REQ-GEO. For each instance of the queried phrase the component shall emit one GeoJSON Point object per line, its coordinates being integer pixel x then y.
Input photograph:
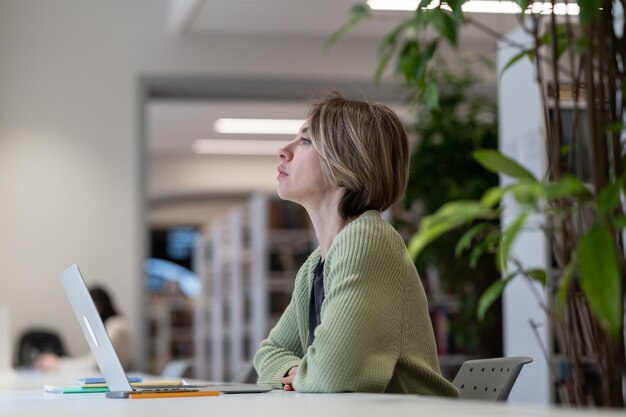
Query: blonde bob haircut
{"type": "Point", "coordinates": [364, 149]}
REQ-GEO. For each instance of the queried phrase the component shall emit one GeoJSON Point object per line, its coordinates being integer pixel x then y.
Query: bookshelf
{"type": "Point", "coordinates": [170, 300]}
{"type": "Point", "coordinates": [247, 262]}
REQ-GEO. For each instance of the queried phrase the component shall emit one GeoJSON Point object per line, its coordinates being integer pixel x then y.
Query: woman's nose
{"type": "Point", "coordinates": [284, 153]}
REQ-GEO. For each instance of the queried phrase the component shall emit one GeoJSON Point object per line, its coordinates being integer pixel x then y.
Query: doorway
{"type": "Point", "coordinates": [201, 207]}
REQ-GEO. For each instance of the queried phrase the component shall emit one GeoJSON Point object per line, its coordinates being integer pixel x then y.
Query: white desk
{"type": "Point", "coordinates": [21, 401]}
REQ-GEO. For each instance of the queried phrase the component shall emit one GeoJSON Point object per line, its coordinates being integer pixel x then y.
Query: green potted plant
{"type": "Point", "coordinates": [582, 217]}
{"type": "Point", "coordinates": [441, 170]}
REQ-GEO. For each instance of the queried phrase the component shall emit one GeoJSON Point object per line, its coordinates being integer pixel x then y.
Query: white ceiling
{"type": "Point", "coordinates": [174, 125]}
{"type": "Point", "coordinates": [301, 18]}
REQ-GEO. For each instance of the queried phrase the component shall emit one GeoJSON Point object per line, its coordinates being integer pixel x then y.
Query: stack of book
{"type": "Point", "coordinates": [98, 384]}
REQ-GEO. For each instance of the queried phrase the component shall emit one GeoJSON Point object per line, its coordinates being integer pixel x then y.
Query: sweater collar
{"type": "Point", "coordinates": [317, 254]}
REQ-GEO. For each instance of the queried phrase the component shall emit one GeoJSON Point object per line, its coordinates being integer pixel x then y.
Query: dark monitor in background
{"type": "Point", "coordinates": [171, 259]}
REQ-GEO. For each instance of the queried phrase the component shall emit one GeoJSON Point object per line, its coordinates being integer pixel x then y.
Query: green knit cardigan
{"type": "Point", "coordinates": [375, 333]}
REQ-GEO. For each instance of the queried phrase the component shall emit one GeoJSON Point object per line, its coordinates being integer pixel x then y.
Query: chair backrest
{"type": "Point", "coordinates": [489, 379]}
{"type": "Point", "coordinates": [246, 374]}
{"type": "Point", "coordinates": [34, 342]}
{"type": "Point", "coordinates": [176, 368]}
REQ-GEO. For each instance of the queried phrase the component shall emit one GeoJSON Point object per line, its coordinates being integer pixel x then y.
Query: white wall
{"type": "Point", "coordinates": [172, 175]}
{"type": "Point", "coordinates": [69, 162]}
{"type": "Point", "coordinates": [68, 148]}
{"type": "Point", "coordinates": [195, 212]}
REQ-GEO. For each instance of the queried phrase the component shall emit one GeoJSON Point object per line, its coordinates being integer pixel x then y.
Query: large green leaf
{"type": "Point", "coordinates": [492, 196]}
{"type": "Point", "coordinates": [391, 39]}
{"type": "Point", "coordinates": [527, 192]}
{"type": "Point", "coordinates": [457, 9]}
{"type": "Point", "coordinates": [488, 244]}
{"type": "Point", "coordinates": [423, 4]}
{"type": "Point", "coordinates": [359, 12]}
{"type": "Point", "coordinates": [562, 38]}
{"type": "Point", "coordinates": [565, 283]}
{"type": "Point", "coordinates": [449, 216]}
{"type": "Point", "coordinates": [514, 59]}
{"type": "Point", "coordinates": [619, 222]}
{"type": "Point", "coordinates": [465, 240]}
{"type": "Point", "coordinates": [508, 238]}
{"type": "Point", "coordinates": [430, 50]}
{"type": "Point", "coordinates": [600, 278]}
{"type": "Point", "coordinates": [566, 186]}
{"type": "Point", "coordinates": [615, 127]}
{"type": "Point", "coordinates": [491, 294]}
{"type": "Point", "coordinates": [427, 234]}
{"type": "Point", "coordinates": [523, 4]}
{"type": "Point", "coordinates": [538, 275]}
{"type": "Point", "coordinates": [383, 61]}
{"type": "Point", "coordinates": [608, 199]}
{"type": "Point", "coordinates": [496, 162]}
{"type": "Point", "coordinates": [479, 250]}
{"type": "Point", "coordinates": [412, 63]}
{"type": "Point", "coordinates": [589, 10]}
{"type": "Point", "coordinates": [431, 95]}
{"type": "Point", "coordinates": [387, 48]}
{"type": "Point", "coordinates": [464, 209]}
{"type": "Point", "coordinates": [444, 24]}
{"type": "Point", "coordinates": [409, 60]}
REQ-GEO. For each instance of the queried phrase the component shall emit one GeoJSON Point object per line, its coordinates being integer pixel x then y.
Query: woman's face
{"type": "Point", "coordinates": [300, 176]}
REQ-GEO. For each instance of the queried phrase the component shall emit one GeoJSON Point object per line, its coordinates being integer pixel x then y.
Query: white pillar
{"type": "Point", "coordinates": [217, 306]}
{"type": "Point", "coordinates": [521, 138]}
{"type": "Point", "coordinates": [6, 367]}
{"type": "Point", "coordinates": [235, 291]}
{"type": "Point", "coordinates": [258, 272]}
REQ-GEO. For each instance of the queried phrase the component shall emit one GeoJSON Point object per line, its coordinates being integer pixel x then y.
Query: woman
{"type": "Point", "coordinates": [117, 327]}
{"type": "Point", "coordinates": [358, 318]}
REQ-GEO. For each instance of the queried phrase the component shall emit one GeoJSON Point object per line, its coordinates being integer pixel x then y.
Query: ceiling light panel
{"type": "Point", "coordinates": [258, 126]}
{"type": "Point", "coordinates": [478, 6]}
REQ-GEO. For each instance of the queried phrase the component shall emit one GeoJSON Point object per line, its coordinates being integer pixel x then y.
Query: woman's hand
{"type": "Point", "coordinates": [47, 362]}
{"type": "Point", "coordinates": [288, 380]}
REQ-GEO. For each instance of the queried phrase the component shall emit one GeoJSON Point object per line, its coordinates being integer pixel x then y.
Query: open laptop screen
{"type": "Point", "coordinates": [94, 330]}
{"type": "Point", "coordinates": [102, 348]}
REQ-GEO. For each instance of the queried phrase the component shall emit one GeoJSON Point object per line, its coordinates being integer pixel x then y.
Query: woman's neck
{"type": "Point", "coordinates": [327, 222]}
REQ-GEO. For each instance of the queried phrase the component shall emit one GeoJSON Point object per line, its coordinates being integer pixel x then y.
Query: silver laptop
{"type": "Point", "coordinates": [102, 348]}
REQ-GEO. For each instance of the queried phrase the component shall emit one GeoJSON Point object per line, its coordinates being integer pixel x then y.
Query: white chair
{"type": "Point", "coordinates": [176, 368]}
{"type": "Point", "coordinates": [246, 373]}
{"type": "Point", "coordinates": [489, 379]}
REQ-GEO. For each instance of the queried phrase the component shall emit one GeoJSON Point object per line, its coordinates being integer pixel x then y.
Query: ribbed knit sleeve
{"type": "Point", "coordinates": [284, 347]}
{"type": "Point", "coordinates": [280, 351]}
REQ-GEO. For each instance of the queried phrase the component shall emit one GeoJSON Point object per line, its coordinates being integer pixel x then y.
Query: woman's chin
{"type": "Point", "coordinates": [283, 192]}
{"type": "Point", "coordinates": [283, 195]}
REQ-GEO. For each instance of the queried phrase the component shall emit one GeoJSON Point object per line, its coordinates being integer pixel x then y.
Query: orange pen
{"type": "Point", "coordinates": [142, 395]}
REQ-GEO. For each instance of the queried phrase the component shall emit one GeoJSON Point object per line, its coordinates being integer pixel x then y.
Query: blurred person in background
{"type": "Point", "coordinates": [117, 327]}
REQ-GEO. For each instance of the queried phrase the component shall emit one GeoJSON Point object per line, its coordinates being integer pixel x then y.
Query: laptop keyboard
{"type": "Point", "coordinates": [177, 389]}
